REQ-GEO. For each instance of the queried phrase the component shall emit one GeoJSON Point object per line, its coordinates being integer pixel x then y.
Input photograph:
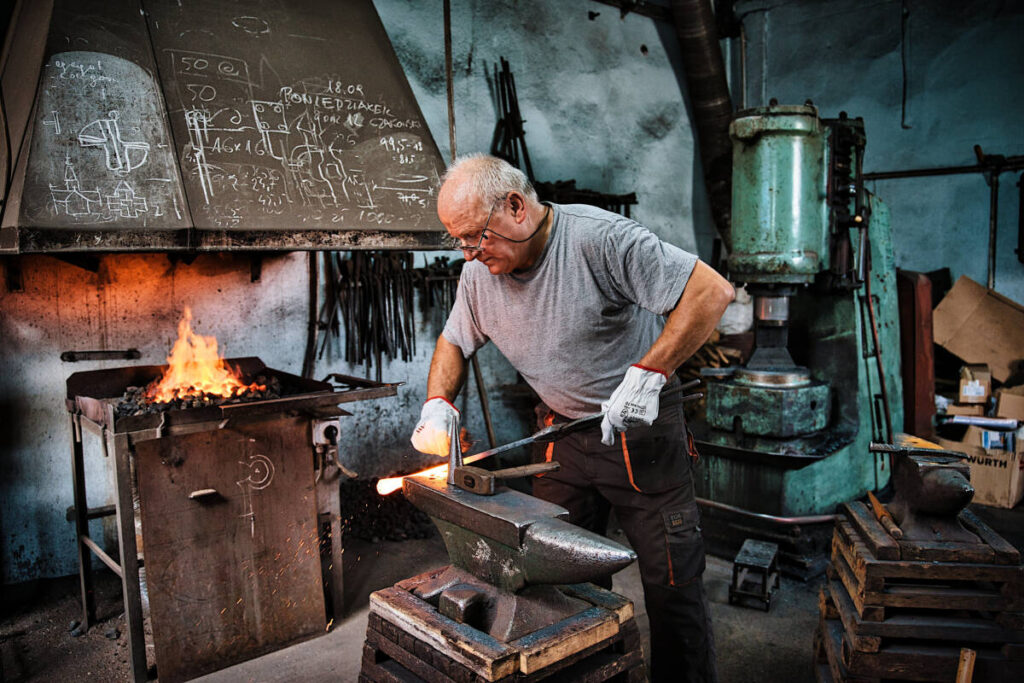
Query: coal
{"type": "Point", "coordinates": [136, 402]}
{"type": "Point", "coordinates": [367, 515]}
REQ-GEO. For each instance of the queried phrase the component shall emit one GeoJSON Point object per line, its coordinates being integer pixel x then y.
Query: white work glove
{"type": "Point", "coordinates": [431, 435]}
{"type": "Point", "coordinates": [634, 401]}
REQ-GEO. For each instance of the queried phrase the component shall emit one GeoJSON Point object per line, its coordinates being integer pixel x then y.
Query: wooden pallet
{"type": "Point", "coordinates": [407, 639]}
{"type": "Point", "coordinates": [993, 549]}
{"type": "Point", "coordinates": [879, 587]}
{"type": "Point", "coordinates": [900, 617]}
{"type": "Point", "coordinates": [906, 661]}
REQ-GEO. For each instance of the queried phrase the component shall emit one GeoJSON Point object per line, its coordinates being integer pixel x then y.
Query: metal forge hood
{"type": "Point", "coordinates": [206, 124]}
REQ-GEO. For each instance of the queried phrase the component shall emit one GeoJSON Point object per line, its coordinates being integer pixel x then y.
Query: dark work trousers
{"type": "Point", "coordinates": [646, 477]}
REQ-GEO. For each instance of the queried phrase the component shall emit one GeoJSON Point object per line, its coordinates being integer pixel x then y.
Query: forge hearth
{"type": "Point", "coordinates": [239, 506]}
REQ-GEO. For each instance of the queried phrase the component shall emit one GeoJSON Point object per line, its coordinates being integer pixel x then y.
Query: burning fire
{"type": "Point", "coordinates": [195, 368]}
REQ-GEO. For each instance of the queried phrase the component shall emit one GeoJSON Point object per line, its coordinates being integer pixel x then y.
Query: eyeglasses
{"type": "Point", "coordinates": [476, 249]}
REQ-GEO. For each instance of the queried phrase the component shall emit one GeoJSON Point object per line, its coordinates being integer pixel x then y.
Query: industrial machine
{"type": "Point", "coordinates": [787, 434]}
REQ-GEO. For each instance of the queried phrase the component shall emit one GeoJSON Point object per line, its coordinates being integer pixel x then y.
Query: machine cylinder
{"type": "Point", "coordinates": [779, 209]}
{"type": "Point", "coordinates": [772, 310]}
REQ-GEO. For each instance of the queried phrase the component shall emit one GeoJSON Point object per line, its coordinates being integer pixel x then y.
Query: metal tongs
{"type": "Point", "coordinates": [478, 480]}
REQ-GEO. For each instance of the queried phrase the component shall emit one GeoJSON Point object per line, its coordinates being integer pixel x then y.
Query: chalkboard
{"type": "Point", "coordinates": [101, 153]}
{"type": "Point", "coordinates": [293, 115]}
{"type": "Point", "coordinates": [233, 120]}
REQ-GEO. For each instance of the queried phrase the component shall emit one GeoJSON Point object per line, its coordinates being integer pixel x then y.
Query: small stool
{"type": "Point", "coordinates": [755, 572]}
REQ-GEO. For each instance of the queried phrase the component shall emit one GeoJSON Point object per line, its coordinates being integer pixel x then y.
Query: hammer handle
{"type": "Point", "coordinates": [525, 470]}
{"type": "Point", "coordinates": [884, 517]}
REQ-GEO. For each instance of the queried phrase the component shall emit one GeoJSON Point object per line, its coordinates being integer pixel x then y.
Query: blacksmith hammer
{"type": "Point", "coordinates": [484, 482]}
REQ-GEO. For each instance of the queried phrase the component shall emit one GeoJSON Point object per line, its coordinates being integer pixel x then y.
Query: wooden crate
{"type": "Point", "coordinates": [879, 587]}
{"type": "Point", "coordinates": [407, 639]}
{"type": "Point", "coordinates": [904, 661]}
{"type": "Point", "coordinates": [904, 618]}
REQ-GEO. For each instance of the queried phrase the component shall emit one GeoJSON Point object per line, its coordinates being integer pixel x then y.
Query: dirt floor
{"type": "Point", "coordinates": [39, 640]}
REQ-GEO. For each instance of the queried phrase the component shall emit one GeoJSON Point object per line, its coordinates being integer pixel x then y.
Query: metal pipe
{"type": "Point", "coordinates": [807, 519]}
{"type": "Point", "coordinates": [886, 412]}
{"type": "Point", "coordinates": [743, 65]}
{"type": "Point", "coordinates": [708, 88]}
{"type": "Point", "coordinates": [313, 276]}
{"type": "Point", "coordinates": [1015, 163]}
{"type": "Point", "coordinates": [485, 406]}
{"type": "Point", "coordinates": [993, 225]}
{"type": "Point", "coordinates": [449, 79]}
{"type": "Point", "coordinates": [481, 387]}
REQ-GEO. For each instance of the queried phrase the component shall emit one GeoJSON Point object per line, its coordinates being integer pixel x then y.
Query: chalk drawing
{"type": "Point", "coordinates": [123, 156]}
{"type": "Point", "coordinates": [124, 202]}
{"type": "Point", "coordinates": [101, 152]}
{"type": "Point", "coordinates": [258, 473]}
{"type": "Point", "coordinates": [53, 121]}
{"type": "Point", "coordinates": [71, 199]}
{"type": "Point", "coordinates": [260, 146]}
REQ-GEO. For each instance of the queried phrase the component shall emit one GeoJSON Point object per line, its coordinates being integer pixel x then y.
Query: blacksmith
{"type": "Point", "coordinates": [574, 297]}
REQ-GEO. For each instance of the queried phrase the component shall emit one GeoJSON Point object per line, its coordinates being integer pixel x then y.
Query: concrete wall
{"type": "Point", "coordinates": [603, 105]}
{"type": "Point", "coordinates": [964, 70]}
{"type": "Point", "coordinates": [598, 110]}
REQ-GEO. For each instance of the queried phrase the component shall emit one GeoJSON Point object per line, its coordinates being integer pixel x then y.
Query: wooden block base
{"type": "Point", "coordinates": [407, 640]}
{"type": "Point", "coordinates": [889, 617]}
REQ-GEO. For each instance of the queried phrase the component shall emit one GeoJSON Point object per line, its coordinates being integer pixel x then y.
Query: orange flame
{"type": "Point", "coordinates": [194, 367]}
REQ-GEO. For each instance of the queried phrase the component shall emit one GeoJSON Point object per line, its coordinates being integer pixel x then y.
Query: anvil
{"type": "Point", "coordinates": [512, 540]}
{"type": "Point", "coordinates": [508, 550]}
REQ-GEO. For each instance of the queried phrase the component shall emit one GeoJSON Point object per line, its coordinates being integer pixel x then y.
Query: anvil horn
{"type": "Point", "coordinates": [559, 552]}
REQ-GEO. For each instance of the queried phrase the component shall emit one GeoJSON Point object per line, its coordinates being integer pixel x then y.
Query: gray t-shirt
{"type": "Point", "coordinates": [590, 306]}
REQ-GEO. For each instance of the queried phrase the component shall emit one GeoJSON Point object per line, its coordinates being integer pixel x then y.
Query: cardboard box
{"type": "Point", "coordinates": [980, 326]}
{"type": "Point", "coordinates": [968, 409]}
{"type": "Point", "coordinates": [997, 475]}
{"type": "Point", "coordinates": [975, 384]}
{"type": "Point", "coordinates": [1010, 403]}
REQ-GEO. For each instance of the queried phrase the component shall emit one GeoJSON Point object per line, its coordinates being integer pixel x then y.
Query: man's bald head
{"type": "Point", "coordinates": [481, 179]}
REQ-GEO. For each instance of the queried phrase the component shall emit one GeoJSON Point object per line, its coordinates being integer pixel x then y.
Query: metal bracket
{"type": "Point", "coordinates": [120, 354]}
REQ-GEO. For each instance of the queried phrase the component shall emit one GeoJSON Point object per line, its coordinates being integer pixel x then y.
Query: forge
{"type": "Point", "coordinates": [237, 502]}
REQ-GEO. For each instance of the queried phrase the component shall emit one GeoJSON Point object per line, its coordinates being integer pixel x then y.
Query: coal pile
{"type": "Point", "coordinates": [372, 517]}
{"type": "Point", "coordinates": [136, 400]}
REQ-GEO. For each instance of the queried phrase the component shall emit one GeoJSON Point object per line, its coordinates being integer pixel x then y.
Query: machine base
{"type": "Point", "coordinates": [777, 411]}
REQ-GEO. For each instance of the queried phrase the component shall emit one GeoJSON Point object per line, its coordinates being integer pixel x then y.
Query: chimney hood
{"type": "Point", "coordinates": [199, 125]}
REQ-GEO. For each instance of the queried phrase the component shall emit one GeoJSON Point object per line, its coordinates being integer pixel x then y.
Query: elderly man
{"type": "Point", "coordinates": [574, 296]}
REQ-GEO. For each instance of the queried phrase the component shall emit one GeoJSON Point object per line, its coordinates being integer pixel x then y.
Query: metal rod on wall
{"type": "Point", "coordinates": [993, 226]}
{"type": "Point", "coordinates": [478, 374]}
